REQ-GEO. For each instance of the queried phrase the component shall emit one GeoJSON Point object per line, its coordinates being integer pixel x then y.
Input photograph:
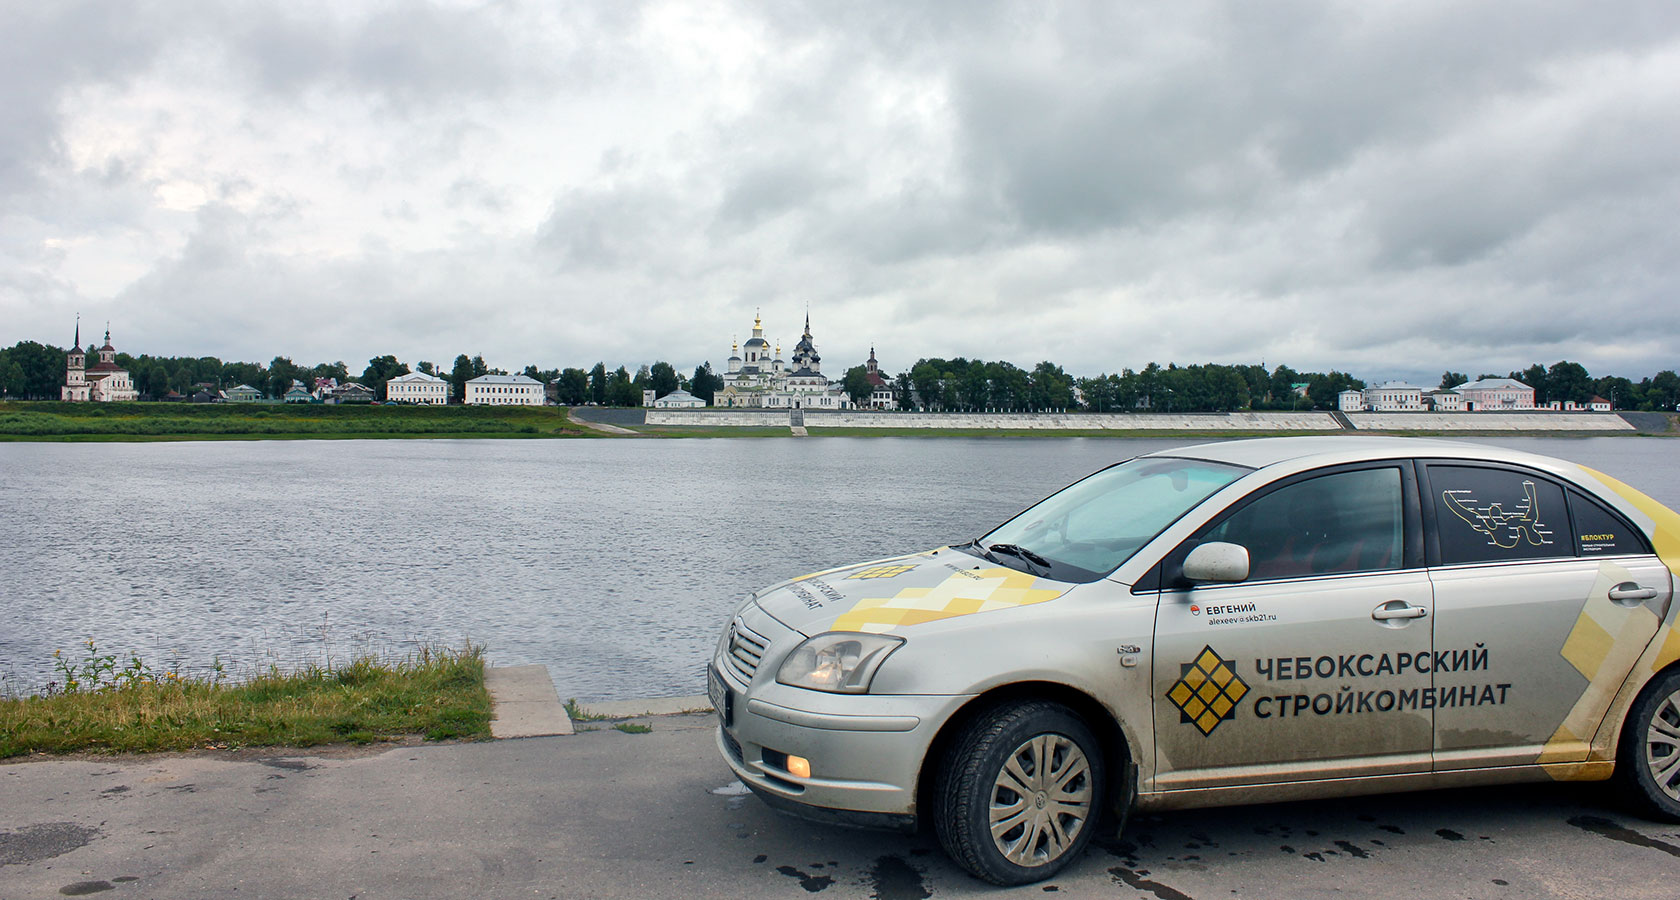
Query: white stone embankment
{"type": "Point", "coordinates": [1490, 421]}
{"type": "Point", "coordinates": [1250, 421]}
{"type": "Point", "coordinates": [1247, 422]}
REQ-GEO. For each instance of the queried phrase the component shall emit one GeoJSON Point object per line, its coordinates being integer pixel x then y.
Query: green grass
{"type": "Point", "coordinates": [54, 421]}
{"type": "Point", "coordinates": [437, 694]}
{"type": "Point", "coordinates": [576, 712]}
{"type": "Point", "coordinates": [633, 728]}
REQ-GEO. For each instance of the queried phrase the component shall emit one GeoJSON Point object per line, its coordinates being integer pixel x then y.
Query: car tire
{"type": "Point", "coordinates": [1036, 770]}
{"type": "Point", "coordinates": [1648, 761]}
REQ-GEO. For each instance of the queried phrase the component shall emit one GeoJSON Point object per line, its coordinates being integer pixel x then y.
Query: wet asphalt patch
{"type": "Point", "coordinates": [44, 841]}
{"type": "Point", "coordinates": [1613, 831]}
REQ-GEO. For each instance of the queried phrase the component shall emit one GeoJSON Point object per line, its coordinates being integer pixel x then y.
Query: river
{"type": "Point", "coordinates": [613, 562]}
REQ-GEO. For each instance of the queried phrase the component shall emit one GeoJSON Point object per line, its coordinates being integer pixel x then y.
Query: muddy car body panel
{"type": "Point", "coordinates": [1412, 614]}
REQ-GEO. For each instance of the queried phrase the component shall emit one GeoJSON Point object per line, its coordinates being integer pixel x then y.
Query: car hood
{"type": "Point", "coordinates": [892, 595]}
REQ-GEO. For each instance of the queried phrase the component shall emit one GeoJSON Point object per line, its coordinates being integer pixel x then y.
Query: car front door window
{"type": "Point", "coordinates": [1293, 674]}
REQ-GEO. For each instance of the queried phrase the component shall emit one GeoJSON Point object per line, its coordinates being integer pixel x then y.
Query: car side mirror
{"type": "Point", "coordinates": [1217, 561]}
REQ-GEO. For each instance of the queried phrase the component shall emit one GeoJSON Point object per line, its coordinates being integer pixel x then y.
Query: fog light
{"type": "Point", "coordinates": [799, 767]}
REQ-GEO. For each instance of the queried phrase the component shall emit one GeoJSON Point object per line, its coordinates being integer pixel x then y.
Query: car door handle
{"type": "Point", "coordinates": [1629, 591]}
{"type": "Point", "coordinates": [1398, 609]}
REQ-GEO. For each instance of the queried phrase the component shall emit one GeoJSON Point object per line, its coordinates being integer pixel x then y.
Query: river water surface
{"type": "Point", "coordinates": [613, 562]}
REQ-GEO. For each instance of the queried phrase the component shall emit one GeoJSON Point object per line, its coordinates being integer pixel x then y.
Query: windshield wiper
{"type": "Point", "coordinates": [1022, 552]}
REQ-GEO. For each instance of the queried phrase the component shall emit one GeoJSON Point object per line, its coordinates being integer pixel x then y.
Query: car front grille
{"type": "Point", "coordinates": [744, 651]}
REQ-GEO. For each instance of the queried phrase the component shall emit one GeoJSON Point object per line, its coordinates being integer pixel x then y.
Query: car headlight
{"type": "Point", "coordinates": [840, 662]}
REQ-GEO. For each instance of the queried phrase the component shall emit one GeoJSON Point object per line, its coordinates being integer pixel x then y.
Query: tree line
{"type": "Point", "coordinates": [30, 370]}
{"type": "Point", "coordinates": [962, 385]}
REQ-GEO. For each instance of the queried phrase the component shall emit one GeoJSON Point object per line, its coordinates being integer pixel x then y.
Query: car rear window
{"type": "Point", "coordinates": [1600, 532]}
{"type": "Point", "coordinates": [1496, 515]}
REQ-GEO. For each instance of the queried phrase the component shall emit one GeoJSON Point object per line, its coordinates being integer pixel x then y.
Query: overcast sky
{"type": "Point", "coordinates": [1391, 188]}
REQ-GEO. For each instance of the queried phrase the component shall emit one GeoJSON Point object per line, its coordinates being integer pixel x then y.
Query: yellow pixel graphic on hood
{"type": "Point", "coordinates": [961, 594]}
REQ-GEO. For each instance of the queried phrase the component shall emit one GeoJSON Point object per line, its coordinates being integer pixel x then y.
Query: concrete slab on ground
{"type": "Point", "coordinates": [524, 704]}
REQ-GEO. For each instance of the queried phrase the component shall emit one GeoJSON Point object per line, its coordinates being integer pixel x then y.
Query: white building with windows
{"type": "Point", "coordinates": [418, 387]}
{"type": "Point", "coordinates": [1496, 393]}
{"type": "Point", "coordinates": [1351, 401]}
{"type": "Point", "coordinates": [504, 390]}
{"type": "Point", "coordinates": [1394, 396]}
{"type": "Point", "coordinates": [1444, 401]}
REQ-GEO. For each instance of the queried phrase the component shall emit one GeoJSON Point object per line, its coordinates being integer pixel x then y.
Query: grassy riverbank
{"type": "Point", "coordinates": [438, 694]}
{"type": "Point", "coordinates": [50, 421]}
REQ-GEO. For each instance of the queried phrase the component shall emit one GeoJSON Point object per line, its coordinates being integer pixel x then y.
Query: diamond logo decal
{"type": "Point", "coordinates": [1207, 691]}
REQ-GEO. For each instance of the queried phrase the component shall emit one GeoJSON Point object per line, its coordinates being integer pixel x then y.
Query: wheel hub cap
{"type": "Point", "coordinates": [1662, 746]}
{"type": "Point", "coordinates": [1041, 800]}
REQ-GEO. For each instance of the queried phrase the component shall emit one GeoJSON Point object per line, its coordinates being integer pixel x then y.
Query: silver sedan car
{"type": "Point", "coordinates": [1229, 623]}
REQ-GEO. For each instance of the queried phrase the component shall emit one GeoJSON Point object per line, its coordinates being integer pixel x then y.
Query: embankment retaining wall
{"type": "Point", "coordinates": [1490, 421]}
{"type": "Point", "coordinates": [1607, 423]}
{"type": "Point", "coordinates": [1256, 421]}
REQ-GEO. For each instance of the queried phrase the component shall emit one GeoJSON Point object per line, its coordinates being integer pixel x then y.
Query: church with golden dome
{"type": "Point", "coordinates": [758, 378]}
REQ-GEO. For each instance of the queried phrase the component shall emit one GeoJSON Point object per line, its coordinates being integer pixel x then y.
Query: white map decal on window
{"type": "Point", "coordinates": [1504, 530]}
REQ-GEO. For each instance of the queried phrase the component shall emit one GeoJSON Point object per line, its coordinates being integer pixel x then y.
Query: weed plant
{"type": "Point", "coordinates": [108, 706]}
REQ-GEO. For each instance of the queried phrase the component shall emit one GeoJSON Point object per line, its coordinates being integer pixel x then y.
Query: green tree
{"type": "Point", "coordinates": [426, 368]}
{"type": "Point", "coordinates": [1621, 392]}
{"type": "Point", "coordinates": [1535, 377]}
{"type": "Point", "coordinates": [1011, 386]}
{"type": "Point", "coordinates": [238, 373]}
{"type": "Point", "coordinates": [1567, 381]}
{"type": "Point", "coordinates": [281, 373]}
{"type": "Point", "coordinates": [598, 384]}
{"type": "Point", "coordinates": [1324, 389]}
{"type": "Point", "coordinates": [622, 390]}
{"type": "Point", "coordinates": [42, 367]}
{"type": "Point", "coordinates": [974, 384]}
{"type": "Point", "coordinates": [1096, 394]}
{"type": "Point", "coordinates": [1051, 387]}
{"type": "Point", "coordinates": [662, 379]}
{"type": "Point", "coordinates": [1661, 391]}
{"type": "Point", "coordinates": [926, 376]}
{"type": "Point", "coordinates": [156, 380]}
{"type": "Point", "coordinates": [459, 375]}
{"type": "Point", "coordinates": [705, 384]}
{"type": "Point", "coordinates": [12, 382]}
{"type": "Point", "coordinates": [573, 387]}
{"type": "Point", "coordinates": [1451, 379]}
{"type": "Point", "coordinates": [379, 370]}
{"type": "Point", "coordinates": [856, 385]}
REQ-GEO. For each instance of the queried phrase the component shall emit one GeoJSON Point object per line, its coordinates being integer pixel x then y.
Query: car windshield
{"type": "Point", "coordinates": [1089, 528]}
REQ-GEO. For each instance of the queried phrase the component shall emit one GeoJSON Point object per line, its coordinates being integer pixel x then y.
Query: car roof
{"type": "Point", "coordinates": [1304, 452]}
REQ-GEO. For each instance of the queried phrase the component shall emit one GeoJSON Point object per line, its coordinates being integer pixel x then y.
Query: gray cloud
{"type": "Point", "coordinates": [1391, 188]}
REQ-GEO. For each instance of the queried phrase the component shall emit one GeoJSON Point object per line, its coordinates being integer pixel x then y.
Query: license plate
{"type": "Point", "coordinates": [719, 694]}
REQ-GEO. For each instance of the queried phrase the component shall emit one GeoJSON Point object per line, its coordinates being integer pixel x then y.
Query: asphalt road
{"type": "Point", "coordinates": [614, 815]}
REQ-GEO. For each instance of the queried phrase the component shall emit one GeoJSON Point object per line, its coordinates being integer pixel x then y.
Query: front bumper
{"type": "Point", "coordinates": [865, 750]}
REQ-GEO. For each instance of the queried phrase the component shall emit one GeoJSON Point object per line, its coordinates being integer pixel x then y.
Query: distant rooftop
{"type": "Point", "coordinates": [1493, 384]}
